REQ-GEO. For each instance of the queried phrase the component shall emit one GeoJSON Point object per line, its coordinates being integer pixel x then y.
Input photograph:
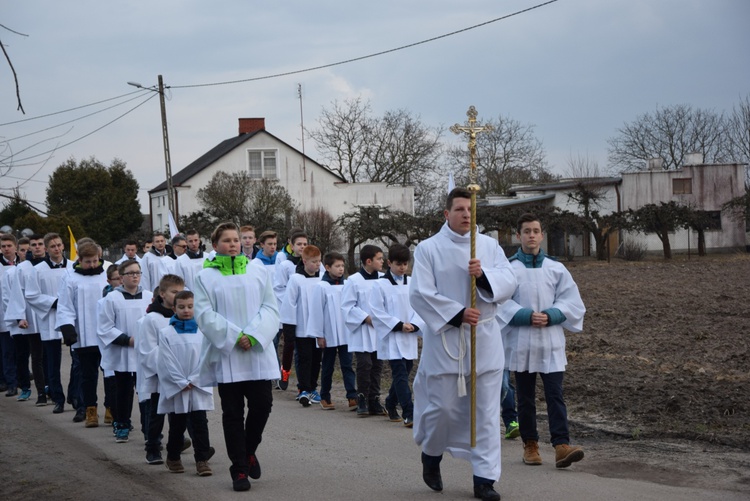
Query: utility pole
{"type": "Point", "coordinates": [167, 160]}
{"type": "Point", "coordinates": [302, 126]}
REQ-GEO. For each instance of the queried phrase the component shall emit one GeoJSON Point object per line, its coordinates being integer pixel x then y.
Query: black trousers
{"type": "Point", "coordinates": [29, 345]}
{"type": "Point", "coordinates": [90, 359]}
{"type": "Point", "coordinates": [243, 434]}
{"type": "Point", "coordinates": [369, 370]}
{"type": "Point", "coordinates": [308, 364]}
{"type": "Point", "coordinates": [178, 423]}
{"type": "Point", "coordinates": [124, 392]}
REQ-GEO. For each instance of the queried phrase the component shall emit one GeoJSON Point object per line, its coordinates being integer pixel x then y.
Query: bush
{"type": "Point", "coordinates": [630, 250]}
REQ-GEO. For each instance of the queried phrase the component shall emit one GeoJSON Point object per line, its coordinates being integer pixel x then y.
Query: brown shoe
{"type": "Point", "coordinates": [92, 418]}
{"type": "Point", "coordinates": [327, 405]}
{"type": "Point", "coordinates": [108, 415]}
{"type": "Point", "coordinates": [203, 469]}
{"type": "Point", "coordinates": [352, 404]}
{"type": "Point", "coordinates": [175, 465]}
{"type": "Point", "coordinates": [531, 453]}
{"type": "Point", "coordinates": [565, 455]}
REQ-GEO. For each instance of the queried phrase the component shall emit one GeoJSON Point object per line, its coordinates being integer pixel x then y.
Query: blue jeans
{"type": "Point", "coordinates": [9, 360]}
{"type": "Point", "coordinates": [508, 400]}
{"type": "Point", "coordinates": [53, 357]}
{"type": "Point", "coordinates": [400, 393]}
{"type": "Point", "coordinates": [556, 410]}
{"type": "Point", "coordinates": [326, 375]}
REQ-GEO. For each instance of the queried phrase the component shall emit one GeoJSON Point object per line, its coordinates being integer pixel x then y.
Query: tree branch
{"type": "Point", "coordinates": [15, 76]}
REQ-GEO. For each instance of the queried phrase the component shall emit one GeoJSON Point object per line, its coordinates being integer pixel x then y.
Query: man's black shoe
{"type": "Point", "coordinates": [431, 476]}
{"type": "Point", "coordinates": [376, 408]}
{"type": "Point", "coordinates": [254, 465]}
{"type": "Point", "coordinates": [58, 408]}
{"type": "Point", "coordinates": [485, 492]}
{"type": "Point", "coordinates": [80, 415]}
{"type": "Point", "coordinates": [362, 410]}
{"type": "Point", "coordinates": [241, 482]}
{"type": "Point", "coordinates": [12, 392]}
{"type": "Point", "coordinates": [211, 452]}
{"type": "Point", "coordinates": [3, 387]}
{"type": "Point", "coordinates": [393, 415]}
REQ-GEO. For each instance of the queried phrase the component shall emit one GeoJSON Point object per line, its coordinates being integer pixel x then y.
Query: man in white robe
{"type": "Point", "coordinates": [440, 293]}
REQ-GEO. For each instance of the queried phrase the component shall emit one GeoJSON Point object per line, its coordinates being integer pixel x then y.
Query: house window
{"type": "Point", "coordinates": [262, 164]}
{"type": "Point", "coordinates": [682, 186]}
{"type": "Point", "coordinates": [713, 220]}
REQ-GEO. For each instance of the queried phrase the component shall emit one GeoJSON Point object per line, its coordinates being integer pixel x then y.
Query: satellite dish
{"type": "Point", "coordinates": [27, 232]}
{"type": "Point", "coordinates": [6, 229]}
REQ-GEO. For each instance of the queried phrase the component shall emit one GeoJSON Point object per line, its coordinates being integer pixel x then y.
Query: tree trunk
{"type": "Point", "coordinates": [664, 237]}
{"type": "Point", "coordinates": [701, 242]}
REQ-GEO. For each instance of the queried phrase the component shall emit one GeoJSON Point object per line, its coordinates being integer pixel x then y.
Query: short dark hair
{"type": "Point", "coordinates": [216, 234]}
{"type": "Point", "coordinates": [124, 265]}
{"type": "Point", "coordinates": [399, 253]}
{"type": "Point", "coordinates": [111, 269]}
{"type": "Point", "coordinates": [332, 257]}
{"type": "Point", "coordinates": [9, 237]}
{"type": "Point", "coordinates": [368, 252]}
{"type": "Point", "coordinates": [184, 294]}
{"type": "Point", "coordinates": [177, 238]}
{"type": "Point", "coordinates": [23, 240]}
{"type": "Point", "coordinates": [50, 237]}
{"type": "Point", "coordinates": [266, 235]}
{"type": "Point", "coordinates": [192, 231]}
{"type": "Point", "coordinates": [296, 235]}
{"type": "Point", "coordinates": [130, 241]}
{"type": "Point", "coordinates": [456, 193]}
{"type": "Point", "coordinates": [527, 218]}
{"type": "Point", "coordinates": [36, 236]}
{"type": "Point", "coordinates": [170, 279]}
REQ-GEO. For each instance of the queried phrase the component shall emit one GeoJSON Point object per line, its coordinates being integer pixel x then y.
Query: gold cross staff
{"type": "Point", "coordinates": [471, 129]}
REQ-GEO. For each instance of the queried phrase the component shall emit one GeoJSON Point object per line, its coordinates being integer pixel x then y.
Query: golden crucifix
{"type": "Point", "coordinates": [471, 129]}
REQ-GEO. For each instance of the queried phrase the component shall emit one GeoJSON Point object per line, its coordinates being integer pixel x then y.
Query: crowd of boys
{"type": "Point", "coordinates": [157, 327]}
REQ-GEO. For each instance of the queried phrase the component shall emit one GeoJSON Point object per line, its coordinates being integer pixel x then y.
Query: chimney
{"type": "Point", "coordinates": [250, 125]}
{"type": "Point", "coordinates": [693, 159]}
{"type": "Point", "coordinates": [655, 164]}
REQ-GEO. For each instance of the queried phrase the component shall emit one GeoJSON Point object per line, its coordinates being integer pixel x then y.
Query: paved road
{"type": "Point", "coordinates": [307, 454]}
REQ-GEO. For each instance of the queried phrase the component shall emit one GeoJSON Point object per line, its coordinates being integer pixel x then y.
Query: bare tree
{"type": "Point", "coordinates": [321, 229]}
{"type": "Point", "coordinates": [738, 132]}
{"type": "Point", "coordinates": [582, 166]}
{"type": "Point", "coordinates": [510, 154]}
{"type": "Point", "coordinates": [669, 133]}
{"type": "Point", "coordinates": [10, 63]}
{"type": "Point", "coordinates": [343, 136]}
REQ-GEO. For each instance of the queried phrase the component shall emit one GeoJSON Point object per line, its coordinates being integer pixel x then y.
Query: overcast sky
{"type": "Point", "coordinates": [576, 69]}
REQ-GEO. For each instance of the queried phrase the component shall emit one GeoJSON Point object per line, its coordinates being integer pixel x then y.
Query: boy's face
{"type": "Point", "coordinates": [132, 276]}
{"type": "Point", "coordinates": [37, 248]}
{"type": "Point", "coordinates": [22, 250]}
{"type": "Point", "coordinates": [229, 243]}
{"type": "Point", "coordinates": [248, 239]}
{"type": "Point", "coordinates": [312, 265]}
{"type": "Point", "coordinates": [130, 251]}
{"type": "Point", "coordinates": [398, 267]}
{"type": "Point", "coordinates": [115, 280]}
{"type": "Point", "coordinates": [531, 237]}
{"type": "Point", "coordinates": [55, 249]}
{"type": "Point", "coordinates": [269, 246]}
{"type": "Point", "coordinates": [194, 243]}
{"type": "Point", "coordinates": [89, 262]}
{"type": "Point", "coordinates": [168, 295]}
{"type": "Point", "coordinates": [376, 263]}
{"type": "Point", "coordinates": [8, 249]}
{"type": "Point", "coordinates": [160, 242]}
{"type": "Point", "coordinates": [184, 309]}
{"type": "Point", "coordinates": [336, 270]}
{"type": "Point", "coordinates": [147, 246]}
{"type": "Point", "coordinates": [459, 216]}
{"type": "Point", "coordinates": [298, 245]}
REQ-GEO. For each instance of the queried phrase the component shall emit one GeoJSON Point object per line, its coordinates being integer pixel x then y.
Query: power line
{"type": "Point", "coordinates": [367, 56]}
{"type": "Point", "coordinates": [71, 109]}
{"type": "Point", "coordinates": [149, 98]}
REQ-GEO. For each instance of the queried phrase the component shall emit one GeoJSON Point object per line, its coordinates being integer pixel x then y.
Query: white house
{"type": "Point", "coordinates": [265, 156]}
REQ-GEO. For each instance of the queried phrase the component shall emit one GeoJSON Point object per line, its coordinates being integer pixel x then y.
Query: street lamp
{"type": "Point", "coordinates": [165, 137]}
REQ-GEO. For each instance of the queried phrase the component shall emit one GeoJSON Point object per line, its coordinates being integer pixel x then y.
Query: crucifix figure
{"type": "Point", "coordinates": [471, 129]}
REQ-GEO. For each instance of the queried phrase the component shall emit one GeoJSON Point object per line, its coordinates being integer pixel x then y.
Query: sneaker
{"type": "Point", "coordinates": [154, 458]}
{"type": "Point", "coordinates": [108, 418]}
{"type": "Point", "coordinates": [202, 469]}
{"type": "Point", "coordinates": [59, 408]}
{"type": "Point", "coordinates": [299, 393]}
{"type": "Point", "coordinates": [121, 436]}
{"type": "Point", "coordinates": [252, 461]}
{"type": "Point", "coordinates": [376, 409]}
{"type": "Point", "coordinates": [393, 415]}
{"type": "Point", "coordinates": [352, 404]}
{"type": "Point", "coordinates": [241, 483]}
{"type": "Point", "coordinates": [512, 431]}
{"type": "Point", "coordinates": [314, 397]}
{"type": "Point", "coordinates": [409, 422]}
{"type": "Point", "coordinates": [80, 415]}
{"type": "Point", "coordinates": [276, 384]}
{"type": "Point", "coordinates": [565, 455]}
{"type": "Point", "coordinates": [283, 382]}
{"type": "Point", "coordinates": [362, 410]}
{"type": "Point", "coordinates": [92, 418]}
{"type": "Point", "coordinates": [12, 392]}
{"type": "Point", "coordinates": [327, 405]}
{"type": "Point", "coordinates": [41, 401]}
{"type": "Point", "coordinates": [531, 453]}
{"type": "Point", "coordinates": [175, 466]}
{"type": "Point", "coordinates": [186, 444]}
{"type": "Point", "coordinates": [304, 399]}
{"type": "Point", "coordinates": [114, 428]}
{"type": "Point", "coordinates": [25, 395]}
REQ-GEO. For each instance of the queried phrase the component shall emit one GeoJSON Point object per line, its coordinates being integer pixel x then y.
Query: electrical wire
{"type": "Point", "coordinates": [295, 72]}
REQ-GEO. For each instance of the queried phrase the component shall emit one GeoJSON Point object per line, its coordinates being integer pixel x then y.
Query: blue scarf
{"type": "Point", "coordinates": [184, 326]}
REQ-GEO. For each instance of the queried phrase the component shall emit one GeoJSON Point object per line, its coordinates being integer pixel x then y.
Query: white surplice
{"type": "Point", "coordinates": [178, 365]}
{"type": "Point", "coordinates": [440, 290]}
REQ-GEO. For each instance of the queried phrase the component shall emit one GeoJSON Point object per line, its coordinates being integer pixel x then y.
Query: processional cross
{"type": "Point", "coordinates": [472, 129]}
